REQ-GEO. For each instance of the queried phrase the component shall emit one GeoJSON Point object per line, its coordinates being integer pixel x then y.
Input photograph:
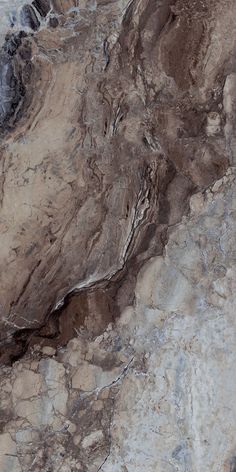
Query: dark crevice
{"type": "Point", "coordinates": [42, 6]}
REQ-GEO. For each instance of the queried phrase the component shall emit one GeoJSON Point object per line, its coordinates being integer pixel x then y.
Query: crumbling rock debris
{"type": "Point", "coordinates": [64, 406]}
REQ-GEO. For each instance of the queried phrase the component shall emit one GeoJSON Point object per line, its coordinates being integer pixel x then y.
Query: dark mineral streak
{"type": "Point", "coordinates": [42, 6]}
{"type": "Point", "coordinates": [12, 89]}
{"type": "Point", "coordinates": [29, 18]}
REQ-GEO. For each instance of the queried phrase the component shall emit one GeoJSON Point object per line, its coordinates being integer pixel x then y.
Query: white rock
{"type": "Point", "coordinates": [27, 384]}
{"type": "Point", "coordinates": [9, 461]}
{"type": "Point", "coordinates": [92, 439]}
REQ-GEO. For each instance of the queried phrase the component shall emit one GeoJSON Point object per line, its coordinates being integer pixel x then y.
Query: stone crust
{"type": "Point", "coordinates": [117, 237]}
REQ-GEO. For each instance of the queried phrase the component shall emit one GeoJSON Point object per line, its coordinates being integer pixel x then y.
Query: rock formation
{"type": "Point", "coordinates": [117, 204]}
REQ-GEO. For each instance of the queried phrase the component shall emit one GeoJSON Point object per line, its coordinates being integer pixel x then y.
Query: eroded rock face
{"type": "Point", "coordinates": [117, 237]}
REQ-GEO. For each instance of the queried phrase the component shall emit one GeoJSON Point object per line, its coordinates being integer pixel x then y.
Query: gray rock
{"type": "Point", "coordinates": [11, 86]}
{"type": "Point", "coordinates": [28, 17]}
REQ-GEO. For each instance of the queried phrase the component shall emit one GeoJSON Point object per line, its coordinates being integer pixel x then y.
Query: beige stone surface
{"type": "Point", "coordinates": [48, 351]}
{"type": "Point", "coordinates": [92, 439]}
{"type": "Point", "coordinates": [27, 385]}
{"type": "Point", "coordinates": [85, 377]}
{"type": "Point", "coordinates": [8, 457]}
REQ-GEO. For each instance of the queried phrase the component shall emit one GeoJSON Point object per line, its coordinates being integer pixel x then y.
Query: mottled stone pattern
{"type": "Point", "coordinates": [56, 410]}
{"type": "Point", "coordinates": [155, 391]}
{"type": "Point", "coordinates": [117, 236]}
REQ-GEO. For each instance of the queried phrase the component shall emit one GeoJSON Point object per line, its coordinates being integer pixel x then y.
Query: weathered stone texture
{"type": "Point", "coordinates": [117, 237]}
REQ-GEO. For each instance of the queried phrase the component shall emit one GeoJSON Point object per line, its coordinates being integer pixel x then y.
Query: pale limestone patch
{"type": "Point", "coordinates": [77, 439]}
{"type": "Point", "coordinates": [89, 377]}
{"type": "Point", "coordinates": [85, 377]}
{"type": "Point", "coordinates": [38, 411]}
{"type": "Point", "coordinates": [197, 203]}
{"type": "Point", "coordinates": [8, 454]}
{"type": "Point", "coordinates": [27, 435]}
{"type": "Point", "coordinates": [28, 384]}
{"type": "Point", "coordinates": [74, 353]}
{"type": "Point", "coordinates": [162, 285]}
{"type": "Point", "coordinates": [48, 351]}
{"type": "Point", "coordinates": [229, 102]}
{"type": "Point", "coordinates": [39, 398]}
{"type": "Point", "coordinates": [54, 378]}
{"type": "Point", "coordinates": [92, 439]}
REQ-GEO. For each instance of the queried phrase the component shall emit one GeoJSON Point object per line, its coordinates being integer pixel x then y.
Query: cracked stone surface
{"type": "Point", "coordinates": [117, 236]}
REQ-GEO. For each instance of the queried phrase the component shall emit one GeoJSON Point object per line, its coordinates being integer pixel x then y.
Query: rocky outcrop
{"type": "Point", "coordinates": [117, 236]}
